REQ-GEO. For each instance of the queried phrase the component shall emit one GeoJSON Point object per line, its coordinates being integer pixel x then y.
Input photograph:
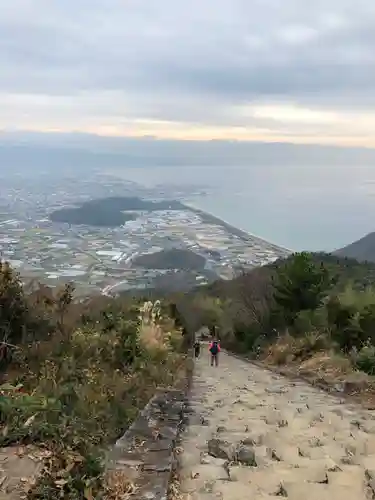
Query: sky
{"type": "Point", "coordinates": [253, 70]}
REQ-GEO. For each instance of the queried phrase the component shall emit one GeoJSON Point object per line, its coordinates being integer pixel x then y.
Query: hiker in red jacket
{"type": "Point", "coordinates": [214, 350]}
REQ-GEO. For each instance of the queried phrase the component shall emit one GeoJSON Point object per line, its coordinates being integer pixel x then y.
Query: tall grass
{"type": "Point", "coordinates": [77, 388]}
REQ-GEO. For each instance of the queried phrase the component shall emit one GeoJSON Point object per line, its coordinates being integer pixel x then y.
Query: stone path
{"type": "Point", "coordinates": [255, 435]}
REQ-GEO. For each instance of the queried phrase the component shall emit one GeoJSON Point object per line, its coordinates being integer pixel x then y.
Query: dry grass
{"type": "Point", "coordinates": [174, 491]}
{"type": "Point", "coordinates": [118, 486]}
{"type": "Point", "coordinates": [289, 349]}
{"type": "Point", "coordinates": [281, 352]}
{"type": "Point", "coordinates": [305, 356]}
{"type": "Point", "coordinates": [328, 366]}
{"type": "Point", "coordinates": [152, 336]}
{"type": "Point", "coordinates": [309, 355]}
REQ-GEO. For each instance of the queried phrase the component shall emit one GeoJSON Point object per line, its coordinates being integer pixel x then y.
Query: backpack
{"type": "Point", "coordinates": [214, 349]}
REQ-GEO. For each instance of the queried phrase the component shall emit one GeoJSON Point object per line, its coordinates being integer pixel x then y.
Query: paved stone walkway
{"type": "Point", "coordinates": [256, 435]}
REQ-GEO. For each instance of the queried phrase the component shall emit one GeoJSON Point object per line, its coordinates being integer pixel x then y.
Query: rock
{"type": "Point", "coordinates": [276, 390]}
{"type": "Point", "coordinates": [331, 465]}
{"type": "Point", "coordinates": [254, 439]}
{"type": "Point", "coordinates": [249, 441]}
{"type": "Point", "coordinates": [316, 419]}
{"type": "Point", "coordinates": [251, 406]}
{"type": "Point", "coordinates": [351, 450]}
{"type": "Point", "coordinates": [281, 491]}
{"type": "Point", "coordinates": [208, 487]}
{"type": "Point", "coordinates": [274, 454]}
{"type": "Point", "coordinates": [339, 387]}
{"type": "Point", "coordinates": [368, 427]}
{"type": "Point", "coordinates": [370, 473]}
{"type": "Point", "coordinates": [221, 428]}
{"type": "Point", "coordinates": [205, 422]}
{"type": "Point", "coordinates": [299, 490]}
{"type": "Point", "coordinates": [349, 460]}
{"type": "Point", "coordinates": [246, 455]}
{"type": "Point", "coordinates": [282, 423]}
{"type": "Point", "coordinates": [370, 476]}
{"type": "Point", "coordinates": [206, 459]}
{"type": "Point", "coordinates": [319, 477]}
{"type": "Point", "coordinates": [371, 485]}
{"type": "Point", "coordinates": [220, 449]}
{"type": "Point", "coordinates": [316, 442]}
{"type": "Point", "coordinates": [315, 472]}
{"type": "Point", "coordinates": [369, 463]}
{"type": "Point", "coordinates": [356, 423]}
{"type": "Point", "coordinates": [355, 385]}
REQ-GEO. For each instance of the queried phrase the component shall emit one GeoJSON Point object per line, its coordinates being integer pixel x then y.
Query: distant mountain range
{"type": "Point", "coordinates": [361, 250]}
{"type": "Point", "coordinates": [74, 150]}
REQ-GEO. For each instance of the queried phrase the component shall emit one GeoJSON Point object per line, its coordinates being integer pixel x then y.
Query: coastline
{"type": "Point", "coordinates": [236, 231]}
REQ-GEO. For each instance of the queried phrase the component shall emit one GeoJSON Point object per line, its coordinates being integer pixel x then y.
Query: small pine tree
{"type": "Point", "coordinates": [339, 315]}
{"type": "Point", "coordinates": [13, 306]}
{"type": "Point", "coordinates": [300, 285]}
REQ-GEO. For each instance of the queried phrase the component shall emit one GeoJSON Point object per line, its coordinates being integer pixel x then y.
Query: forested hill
{"type": "Point", "coordinates": [362, 249]}
{"type": "Point", "coordinates": [345, 270]}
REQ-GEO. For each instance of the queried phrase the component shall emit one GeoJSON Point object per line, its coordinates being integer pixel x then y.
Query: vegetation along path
{"type": "Point", "coordinates": [253, 434]}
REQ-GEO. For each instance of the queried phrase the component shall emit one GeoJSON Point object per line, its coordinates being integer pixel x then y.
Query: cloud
{"type": "Point", "coordinates": [260, 69]}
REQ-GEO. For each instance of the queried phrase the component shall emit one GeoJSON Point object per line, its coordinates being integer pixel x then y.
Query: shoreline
{"type": "Point", "coordinates": [236, 231]}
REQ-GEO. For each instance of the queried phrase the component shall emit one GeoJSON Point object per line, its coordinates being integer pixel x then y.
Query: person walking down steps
{"type": "Point", "coordinates": [214, 350]}
{"type": "Point", "coordinates": [197, 348]}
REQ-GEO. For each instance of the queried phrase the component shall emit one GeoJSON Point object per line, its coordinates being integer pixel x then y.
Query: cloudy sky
{"type": "Point", "coordinates": [284, 70]}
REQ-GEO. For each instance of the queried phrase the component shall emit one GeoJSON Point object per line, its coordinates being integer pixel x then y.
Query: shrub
{"type": "Point", "coordinates": [75, 389]}
{"type": "Point", "coordinates": [26, 416]}
{"type": "Point", "coordinates": [349, 337]}
{"type": "Point", "coordinates": [307, 321]}
{"type": "Point", "coordinates": [365, 359]}
{"type": "Point", "coordinates": [367, 321]}
{"type": "Point", "coordinates": [339, 314]}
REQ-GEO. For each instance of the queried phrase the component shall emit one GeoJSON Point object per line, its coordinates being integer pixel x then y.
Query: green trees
{"type": "Point", "coordinates": [13, 307]}
{"type": "Point", "coordinates": [300, 285]}
{"type": "Point", "coordinates": [367, 322]}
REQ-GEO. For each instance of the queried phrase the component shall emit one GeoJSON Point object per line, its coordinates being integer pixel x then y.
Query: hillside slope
{"type": "Point", "coordinates": [73, 377]}
{"type": "Point", "coordinates": [362, 249]}
{"type": "Point", "coordinates": [346, 270]}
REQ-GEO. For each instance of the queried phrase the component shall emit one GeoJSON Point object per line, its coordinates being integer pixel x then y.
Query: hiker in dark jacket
{"type": "Point", "coordinates": [197, 348]}
{"type": "Point", "coordinates": [214, 350]}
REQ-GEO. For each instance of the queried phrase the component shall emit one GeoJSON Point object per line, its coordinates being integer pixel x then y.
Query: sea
{"type": "Point", "coordinates": [299, 208]}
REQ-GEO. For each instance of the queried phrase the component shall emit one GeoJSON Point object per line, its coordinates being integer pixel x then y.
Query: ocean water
{"type": "Point", "coordinates": [301, 208]}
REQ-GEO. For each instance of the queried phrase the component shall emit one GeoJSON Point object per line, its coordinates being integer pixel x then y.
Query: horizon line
{"type": "Point", "coordinates": [310, 141]}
